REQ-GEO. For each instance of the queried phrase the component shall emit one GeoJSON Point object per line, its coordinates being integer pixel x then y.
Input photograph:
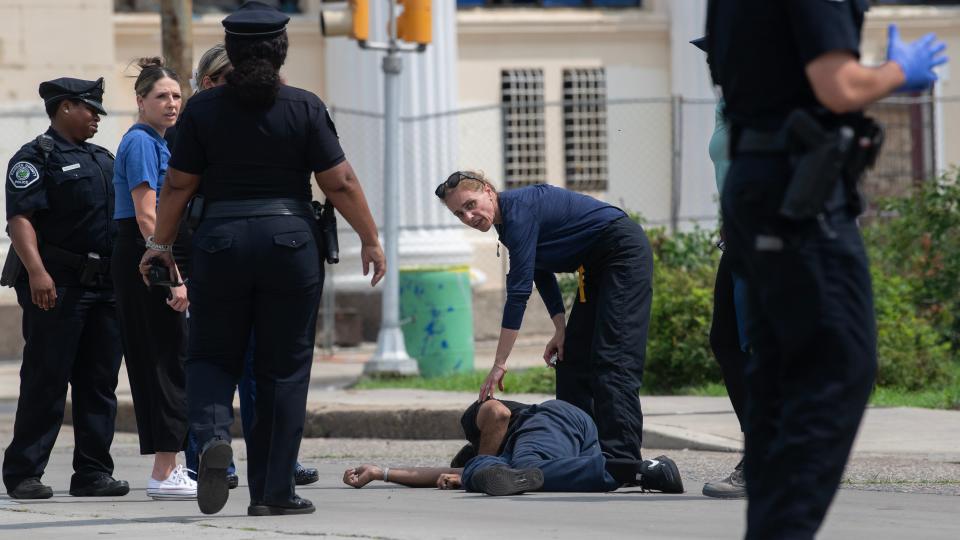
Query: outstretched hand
{"type": "Point", "coordinates": [493, 381]}
{"type": "Point", "coordinates": [917, 58]}
{"type": "Point", "coordinates": [362, 475]}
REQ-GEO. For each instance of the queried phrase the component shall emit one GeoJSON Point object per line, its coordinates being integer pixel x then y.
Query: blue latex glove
{"type": "Point", "coordinates": [917, 59]}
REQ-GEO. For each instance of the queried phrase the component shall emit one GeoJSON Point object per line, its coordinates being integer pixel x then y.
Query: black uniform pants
{"type": "Point", "coordinates": [154, 345]}
{"type": "Point", "coordinates": [725, 339]}
{"type": "Point", "coordinates": [606, 338]}
{"type": "Point", "coordinates": [76, 342]}
{"type": "Point", "coordinates": [261, 274]}
{"type": "Point", "coordinates": [811, 326]}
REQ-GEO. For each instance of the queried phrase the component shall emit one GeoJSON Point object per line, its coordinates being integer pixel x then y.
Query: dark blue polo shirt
{"type": "Point", "coordinates": [546, 229]}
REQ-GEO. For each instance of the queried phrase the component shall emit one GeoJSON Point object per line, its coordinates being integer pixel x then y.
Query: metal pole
{"type": "Point", "coordinates": [676, 171]}
{"type": "Point", "coordinates": [391, 357]}
{"type": "Point", "coordinates": [176, 23]}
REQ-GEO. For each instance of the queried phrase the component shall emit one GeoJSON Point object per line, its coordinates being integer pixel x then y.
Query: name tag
{"type": "Point", "coordinates": [70, 167]}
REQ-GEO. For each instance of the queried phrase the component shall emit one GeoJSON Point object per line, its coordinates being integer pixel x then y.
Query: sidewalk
{"type": "Point", "coordinates": [670, 422]}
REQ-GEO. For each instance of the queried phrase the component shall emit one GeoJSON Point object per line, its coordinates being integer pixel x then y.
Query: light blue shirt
{"type": "Point", "coordinates": [141, 158]}
{"type": "Point", "coordinates": [719, 147]}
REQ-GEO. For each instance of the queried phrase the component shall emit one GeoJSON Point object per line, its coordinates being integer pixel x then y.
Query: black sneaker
{"type": "Point", "coordinates": [731, 487]}
{"type": "Point", "coordinates": [31, 488]}
{"type": "Point", "coordinates": [660, 474]}
{"type": "Point", "coordinates": [500, 480]}
{"type": "Point", "coordinates": [212, 487]}
{"type": "Point", "coordinates": [233, 481]}
{"type": "Point", "coordinates": [103, 486]}
{"type": "Point", "coordinates": [297, 505]}
{"type": "Point", "coordinates": [305, 476]}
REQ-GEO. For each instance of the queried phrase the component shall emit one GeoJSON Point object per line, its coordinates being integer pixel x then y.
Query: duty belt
{"type": "Point", "coordinates": [75, 261]}
{"type": "Point", "coordinates": [257, 208]}
{"type": "Point", "coordinates": [761, 142]}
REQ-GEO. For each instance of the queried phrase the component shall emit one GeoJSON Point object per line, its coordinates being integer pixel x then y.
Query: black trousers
{"type": "Point", "coordinates": [261, 274]}
{"type": "Point", "coordinates": [155, 348]}
{"type": "Point", "coordinates": [606, 338]}
{"type": "Point", "coordinates": [725, 339]}
{"type": "Point", "coordinates": [812, 330]}
{"type": "Point", "coordinates": [76, 342]}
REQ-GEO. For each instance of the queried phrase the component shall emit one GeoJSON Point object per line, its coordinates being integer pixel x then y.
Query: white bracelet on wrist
{"type": "Point", "coordinates": [157, 247]}
{"type": "Point", "coordinates": [386, 474]}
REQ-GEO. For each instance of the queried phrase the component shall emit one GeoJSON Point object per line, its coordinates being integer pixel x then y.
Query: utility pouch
{"type": "Point", "coordinates": [863, 156]}
{"type": "Point", "coordinates": [194, 213]}
{"type": "Point", "coordinates": [818, 158]}
{"type": "Point", "coordinates": [91, 271]}
{"type": "Point", "coordinates": [326, 218]}
{"type": "Point", "coordinates": [12, 268]}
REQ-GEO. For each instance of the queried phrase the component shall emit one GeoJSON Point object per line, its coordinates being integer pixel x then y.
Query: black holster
{"type": "Point", "coordinates": [326, 217]}
{"type": "Point", "coordinates": [194, 213]}
{"type": "Point", "coordinates": [12, 268]}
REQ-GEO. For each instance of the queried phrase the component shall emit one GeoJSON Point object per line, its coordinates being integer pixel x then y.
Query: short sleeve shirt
{"type": "Point", "coordinates": [69, 196]}
{"type": "Point", "coordinates": [141, 159]}
{"type": "Point", "coordinates": [760, 50]}
{"type": "Point", "coordinates": [244, 152]}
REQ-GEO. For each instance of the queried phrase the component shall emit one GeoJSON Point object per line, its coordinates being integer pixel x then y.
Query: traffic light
{"type": "Point", "coordinates": [415, 24]}
{"type": "Point", "coordinates": [354, 21]}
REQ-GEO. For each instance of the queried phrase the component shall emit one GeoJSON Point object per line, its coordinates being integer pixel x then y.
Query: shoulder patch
{"type": "Point", "coordinates": [22, 174]}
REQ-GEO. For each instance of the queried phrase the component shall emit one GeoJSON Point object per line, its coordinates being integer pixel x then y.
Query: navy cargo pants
{"type": "Point", "coordinates": [261, 274]}
{"type": "Point", "coordinates": [606, 339]}
{"type": "Point", "coordinates": [76, 342]}
{"type": "Point", "coordinates": [812, 330]}
{"type": "Point", "coordinates": [560, 440]}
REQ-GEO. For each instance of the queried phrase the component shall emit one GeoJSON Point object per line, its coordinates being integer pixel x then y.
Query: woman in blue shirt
{"type": "Point", "coordinates": [152, 325]}
{"type": "Point", "coordinates": [600, 351]}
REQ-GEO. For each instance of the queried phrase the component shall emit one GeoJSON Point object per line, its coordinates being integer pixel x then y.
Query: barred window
{"type": "Point", "coordinates": [585, 129]}
{"type": "Point", "coordinates": [524, 159]}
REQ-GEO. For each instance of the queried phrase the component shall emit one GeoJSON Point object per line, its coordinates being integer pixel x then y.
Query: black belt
{"type": "Point", "coordinates": [763, 142]}
{"type": "Point", "coordinates": [257, 208]}
{"type": "Point", "coordinates": [75, 261]}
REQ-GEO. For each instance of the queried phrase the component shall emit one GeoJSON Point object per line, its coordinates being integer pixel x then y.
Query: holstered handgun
{"type": "Point", "coordinates": [817, 158]}
{"type": "Point", "coordinates": [326, 217]}
{"type": "Point", "coordinates": [12, 268]}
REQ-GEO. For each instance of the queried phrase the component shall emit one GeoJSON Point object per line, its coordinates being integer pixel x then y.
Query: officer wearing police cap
{"type": "Point", "coordinates": [250, 147]}
{"type": "Point", "coordinates": [59, 199]}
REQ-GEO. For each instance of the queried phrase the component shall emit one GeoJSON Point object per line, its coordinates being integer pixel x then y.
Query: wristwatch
{"type": "Point", "coordinates": [157, 247]}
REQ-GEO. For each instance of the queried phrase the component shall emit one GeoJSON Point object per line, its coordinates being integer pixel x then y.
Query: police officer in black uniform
{"type": "Point", "coordinates": [794, 92]}
{"type": "Point", "coordinates": [59, 200]}
{"type": "Point", "coordinates": [249, 147]}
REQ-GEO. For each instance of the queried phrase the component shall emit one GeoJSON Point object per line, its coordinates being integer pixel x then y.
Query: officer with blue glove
{"type": "Point", "coordinates": [795, 91]}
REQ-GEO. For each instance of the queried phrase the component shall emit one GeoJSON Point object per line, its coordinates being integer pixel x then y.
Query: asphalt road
{"type": "Point", "coordinates": [884, 498]}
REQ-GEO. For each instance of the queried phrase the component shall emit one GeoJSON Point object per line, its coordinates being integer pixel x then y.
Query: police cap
{"type": "Point", "coordinates": [255, 20]}
{"type": "Point", "coordinates": [89, 92]}
{"type": "Point", "coordinates": [700, 43]}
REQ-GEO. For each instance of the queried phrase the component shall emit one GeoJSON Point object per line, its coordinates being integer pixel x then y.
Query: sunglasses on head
{"type": "Point", "coordinates": [453, 181]}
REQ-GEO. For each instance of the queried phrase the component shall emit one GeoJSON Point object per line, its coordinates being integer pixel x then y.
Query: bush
{"type": "Point", "coordinates": [918, 238]}
{"type": "Point", "coordinates": [912, 355]}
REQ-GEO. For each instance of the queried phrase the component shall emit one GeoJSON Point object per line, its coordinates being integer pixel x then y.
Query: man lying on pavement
{"type": "Point", "coordinates": [515, 448]}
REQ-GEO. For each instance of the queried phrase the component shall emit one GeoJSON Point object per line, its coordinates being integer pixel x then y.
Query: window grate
{"type": "Point", "coordinates": [524, 160]}
{"type": "Point", "coordinates": [585, 128]}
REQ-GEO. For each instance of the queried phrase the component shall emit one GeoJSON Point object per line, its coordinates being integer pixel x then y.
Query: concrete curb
{"type": "Point", "coordinates": [429, 424]}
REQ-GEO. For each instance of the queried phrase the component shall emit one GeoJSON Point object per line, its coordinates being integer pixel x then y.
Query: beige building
{"type": "Point", "coordinates": [611, 101]}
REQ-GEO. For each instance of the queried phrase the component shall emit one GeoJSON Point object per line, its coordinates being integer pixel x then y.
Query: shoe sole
{"type": "Point", "coordinates": [721, 494]}
{"type": "Point", "coordinates": [33, 496]}
{"type": "Point", "coordinates": [498, 481]}
{"type": "Point", "coordinates": [672, 474]}
{"type": "Point", "coordinates": [183, 497]}
{"type": "Point", "coordinates": [118, 492]}
{"type": "Point", "coordinates": [212, 488]}
{"type": "Point", "coordinates": [264, 510]}
{"type": "Point", "coordinates": [307, 480]}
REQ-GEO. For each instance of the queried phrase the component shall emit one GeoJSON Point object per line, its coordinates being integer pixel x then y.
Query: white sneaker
{"type": "Point", "coordinates": [178, 486]}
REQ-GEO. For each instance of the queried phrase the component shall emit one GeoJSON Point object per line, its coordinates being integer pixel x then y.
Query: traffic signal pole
{"type": "Point", "coordinates": [391, 357]}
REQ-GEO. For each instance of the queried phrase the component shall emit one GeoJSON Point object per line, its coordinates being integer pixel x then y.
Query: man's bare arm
{"type": "Point", "coordinates": [842, 84]}
{"type": "Point", "coordinates": [405, 476]}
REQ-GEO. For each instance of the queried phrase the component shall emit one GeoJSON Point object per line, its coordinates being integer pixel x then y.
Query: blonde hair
{"type": "Point", "coordinates": [467, 179]}
{"type": "Point", "coordinates": [213, 64]}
